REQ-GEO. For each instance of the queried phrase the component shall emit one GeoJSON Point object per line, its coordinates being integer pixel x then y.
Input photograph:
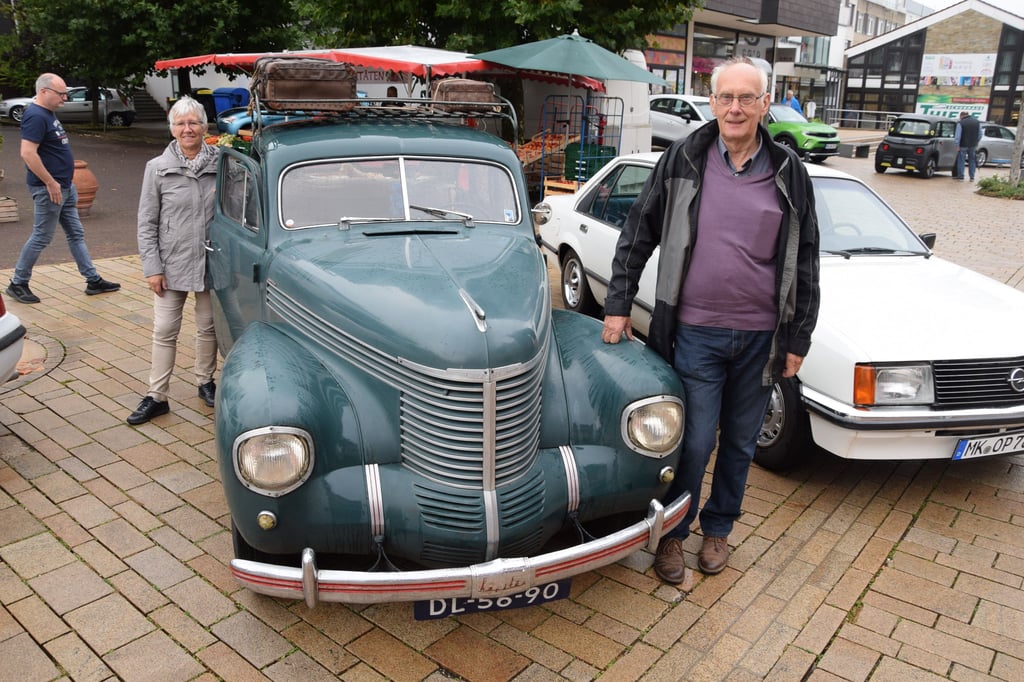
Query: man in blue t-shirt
{"type": "Point", "coordinates": [50, 166]}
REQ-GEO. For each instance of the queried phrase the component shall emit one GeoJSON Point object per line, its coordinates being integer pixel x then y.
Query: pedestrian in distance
{"type": "Point", "coordinates": [792, 102]}
{"type": "Point", "coordinates": [175, 209]}
{"type": "Point", "coordinates": [50, 169]}
{"type": "Point", "coordinates": [967, 136]}
{"type": "Point", "coordinates": [736, 297]}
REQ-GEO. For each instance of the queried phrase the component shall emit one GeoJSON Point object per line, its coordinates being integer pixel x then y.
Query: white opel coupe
{"type": "Point", "coordinates": [913, 357]}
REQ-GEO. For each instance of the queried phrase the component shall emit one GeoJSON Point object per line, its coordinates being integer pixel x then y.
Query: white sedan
{"type": "Point", "coordinates": [913, 357]}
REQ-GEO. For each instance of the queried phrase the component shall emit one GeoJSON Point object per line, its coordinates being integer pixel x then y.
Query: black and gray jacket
{"type": "Point", "coordinates": [665, 215]}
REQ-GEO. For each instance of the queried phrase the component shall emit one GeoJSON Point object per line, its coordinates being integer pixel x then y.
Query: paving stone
{"type": "Point", "coordinates": [77, 659]}
{"type": "Point", "coordinates": [491, 660]}
{"type": "Point", "coordinates": [300, 668]}
{"type": "Point", "coordinates": [108, 623]}
{"type": "Point", "coordinates": [623, 603]}
{"type": "Point", "coordinates": [36, 555]}
{"type": "Point", "coordinates": [37, 619]}
{"type": "Point", "coordinates": [121, 538]}
{"type": "Point", "coordinates": [252, 639]}
{"type": "Point", "coordinates": [595, 649]}
{"type": "Point", "coordinates": [88, 510]}
{"type": "Point", "coordinates": [16, 524]}
{"type": "Point", "coordinates": [24, 660]}
{"type": "Point", "coordinates": [69, 587]}
{"type": "Point", "coordinates": [228, 665]}
{"type": "Point", "coordinates": [199, 600]}
{"type": "Point", "coordinates": [390, 657]}
{"type": "Point", "coordinates": [135, 660]}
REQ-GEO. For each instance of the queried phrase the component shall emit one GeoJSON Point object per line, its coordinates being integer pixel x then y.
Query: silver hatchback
{"type": "Point", "coordinates": [114, 108]}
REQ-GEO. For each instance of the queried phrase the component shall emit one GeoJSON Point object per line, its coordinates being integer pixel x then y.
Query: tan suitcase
{"type": "Point", "coordinates": [465, 96]}
{"type": "Point", "coordinates": [303, 84]}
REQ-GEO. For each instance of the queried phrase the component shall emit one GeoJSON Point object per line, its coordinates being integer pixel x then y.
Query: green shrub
{"type": "Point", "coordinates": [1001, 186]}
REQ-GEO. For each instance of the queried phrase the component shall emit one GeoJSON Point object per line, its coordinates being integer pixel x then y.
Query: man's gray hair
{"type": "Point", "coordinates": [732, 61]}
{"type": "Point", "coordinates": [185, 106]}
{"type": "Point", "coordinates": [44, 81]}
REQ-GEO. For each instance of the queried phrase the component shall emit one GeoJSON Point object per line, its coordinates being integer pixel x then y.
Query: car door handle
{"type": "Point", "coordinates": [208, 245]}
{"type": "Point", "coordinates": [583, 228]}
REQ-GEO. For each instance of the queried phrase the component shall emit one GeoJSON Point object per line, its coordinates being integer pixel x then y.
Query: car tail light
{"type": "Point", "coordinates": [919, 151]}
{"type": "Point", "coordinates": [3, 308]}
{"type": "Point", "coordinates": [885, 147]}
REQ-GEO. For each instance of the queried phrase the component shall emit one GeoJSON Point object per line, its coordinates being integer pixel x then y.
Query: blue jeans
{"type": "Point", "coordinates": [970, 156]}
{"type": "Point", "coordinates": [47, 215]}
{"type": "Point", "coordinates": [721, 374]}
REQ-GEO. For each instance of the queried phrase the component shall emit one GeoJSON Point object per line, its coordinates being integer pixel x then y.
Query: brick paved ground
{"type": "Point", "coordinates": [114, 540]}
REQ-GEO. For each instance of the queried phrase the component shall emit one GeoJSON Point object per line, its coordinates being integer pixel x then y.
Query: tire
{"type": "Point", "coordinates": [879, 168]}
{"type": "Point", "coordinates": [981, 158]}
{"type": "Point", "coordinates": [929, 168]}
{"type": "Point", "coordinates": [118, 119]}
{"type": "Point", "coordinates": [575, 288]}
{"type": "Point", "coordinates": [789, 142]}
{"type": "Point", "coordinates": [785, 439]}
{"type": "Point", "coordinates": [16, 113]}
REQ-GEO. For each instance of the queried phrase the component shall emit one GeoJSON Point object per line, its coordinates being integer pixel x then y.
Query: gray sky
{"type": "Point", "coordinates": [1015, 6]}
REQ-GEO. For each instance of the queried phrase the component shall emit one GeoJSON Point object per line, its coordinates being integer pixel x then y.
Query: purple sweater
{"type": "Point", "coordinates": [731, 280]}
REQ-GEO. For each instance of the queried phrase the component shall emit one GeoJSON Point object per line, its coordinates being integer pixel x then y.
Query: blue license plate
{"type": "Point", "coordinates": [456, 606]}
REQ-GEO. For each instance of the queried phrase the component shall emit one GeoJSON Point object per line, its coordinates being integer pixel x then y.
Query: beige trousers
{"type": "Point", "coordinates": [167, 311]}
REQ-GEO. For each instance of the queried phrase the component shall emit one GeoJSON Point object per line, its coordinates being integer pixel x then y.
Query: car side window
{"type": "Point", "coordinates": [686, 111]}
{"type": "Point", "coordinates": [616, 194]}
{"type": "Point", "coordinates": [239, 197]}
{"type": "Point", "coordinates": [660, 105]}
{"type": "Point", "coordinates": [946, 129]}
{"type": "Point", "coordinates": [76, 95]}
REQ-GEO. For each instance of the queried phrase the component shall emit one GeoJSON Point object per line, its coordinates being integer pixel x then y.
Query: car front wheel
{"type": "Point", "coordinates": [981, 158]}
{"type": "Point", "coordinates": [785, 438]}
{"type": "Point", "coordinates": [575, 289]}
{"type": "Point", "coordinates": [118, 119]}
{"type": "Point", "coordinates": [16, 113]}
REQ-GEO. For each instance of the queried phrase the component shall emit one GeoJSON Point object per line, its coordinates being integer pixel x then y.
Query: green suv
{"type": "Point", "coordinates": [813, 141]}
{"type": "Point", "coordinates": [401, 415]}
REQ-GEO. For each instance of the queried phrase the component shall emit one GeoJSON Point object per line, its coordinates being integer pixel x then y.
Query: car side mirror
{"type": "Point", "coordinates": [929, 239]}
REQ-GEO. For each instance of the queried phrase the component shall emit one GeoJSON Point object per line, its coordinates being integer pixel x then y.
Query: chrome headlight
{"type": "Point", "coordinates": [893, 385]}
{"type": "Point", "coordinates": [273, 460]}
{"type": "Point", "coordinates": [653, 426]}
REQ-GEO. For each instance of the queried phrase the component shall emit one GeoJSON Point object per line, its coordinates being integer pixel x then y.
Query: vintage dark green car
{"type": "Point", "coordinates": [401, 414]}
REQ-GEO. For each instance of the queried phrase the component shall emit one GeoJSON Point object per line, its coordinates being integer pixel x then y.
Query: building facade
{"type": "Point", "coordinates": [967, 57]}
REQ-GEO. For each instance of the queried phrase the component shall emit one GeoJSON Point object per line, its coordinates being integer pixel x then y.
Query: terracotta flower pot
{"type": "Point", "coordinates": [86, 183]}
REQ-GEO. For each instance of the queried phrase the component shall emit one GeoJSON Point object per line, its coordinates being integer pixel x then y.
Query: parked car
{"type": "Point", "coordinates": [811, 140]}
{"type": "Point", "coordinates": [12, 337]}
{"type": "Point", "coordinates": [996, 145]}
{"type": "Point", "coordinates": [919, 143]}
{"type": "Point", "coordinates": [114, 108]}
{"type": "Point", "coordinates": [675, 116]}
{"type": "Point", "coordinates": [398, 392]}
{"type": "Point", "coordinates": [897, 367]}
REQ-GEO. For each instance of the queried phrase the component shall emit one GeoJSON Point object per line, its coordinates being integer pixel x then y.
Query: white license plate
{"type": "Point", "coordinates": [456, 606]}
{"type": "Point", "coordinates": [899, 160]}
{"type": "Point", "coordinates": [1005, 444]}
{"type": "Point", "coordinates": [830, 147]}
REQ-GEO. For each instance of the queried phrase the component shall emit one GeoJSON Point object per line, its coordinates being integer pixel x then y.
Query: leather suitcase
{"type": "Point", "coordinates": [283, 83]}
{"type": "Point", "coordinates": [466, 95]}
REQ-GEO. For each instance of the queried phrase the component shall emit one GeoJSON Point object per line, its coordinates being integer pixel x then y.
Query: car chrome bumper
{"type": "Point", "coordinates": [912, 417]}
{"type": "Point", "coordinates": [491, 579]}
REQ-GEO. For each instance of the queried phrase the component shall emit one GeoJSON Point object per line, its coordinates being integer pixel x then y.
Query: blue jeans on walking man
{"type": "Point", "coordinates": [721, 373]}
{"type": "Point", "coordinates": [967, 156]}
{"type": "Point", "coordinates": [46, 216]}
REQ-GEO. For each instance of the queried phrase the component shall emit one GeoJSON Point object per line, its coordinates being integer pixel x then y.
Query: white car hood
{"type": "Point", "coordinates": [923, 309]}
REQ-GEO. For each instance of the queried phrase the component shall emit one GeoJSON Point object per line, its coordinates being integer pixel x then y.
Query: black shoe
{"type": "Point", "coordinates": [22, 293]}
{"type": "Point", "coordinates": [207, 392]}
{"type": "Point", "coordinates": [148, 409]}
{"type": "Point", "coordinates": [100, 286]}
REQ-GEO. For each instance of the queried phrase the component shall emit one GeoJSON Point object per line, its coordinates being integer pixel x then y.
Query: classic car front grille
{"type": "Point", "coordinates": [472, 428]}
{"type": "Point", "coordinates": [961, 384]}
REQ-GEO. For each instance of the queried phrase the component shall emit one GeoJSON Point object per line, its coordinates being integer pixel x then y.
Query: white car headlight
{"type": "Point", "coordinates": [893, 385]}
{"type": "Point", "coordinates": [653, 426]}
{"type": "Point", "coordinates": [273, 460]}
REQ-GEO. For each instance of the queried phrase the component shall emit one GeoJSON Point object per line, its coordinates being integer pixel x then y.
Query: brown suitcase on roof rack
{"type": "Point", "coordinates": [467, 96]}
{"type": "Point", "coordinates": [292, 84]}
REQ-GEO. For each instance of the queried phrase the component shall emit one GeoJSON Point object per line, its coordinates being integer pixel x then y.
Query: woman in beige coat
{"type": "Point", "coordinates": [175, 209]}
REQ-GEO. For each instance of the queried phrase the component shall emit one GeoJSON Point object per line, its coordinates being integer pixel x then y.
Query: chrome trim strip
{"type": "Point", "coordinates": [479, 316]}
{"type": "Point", "coordinates": [375, 497]}
{"type": "Point", "coordinates": [572, 478]}
{"type": "Point", "coordinates": [490, 579]}
{"type": "Point", "coordinates": [491, 523]}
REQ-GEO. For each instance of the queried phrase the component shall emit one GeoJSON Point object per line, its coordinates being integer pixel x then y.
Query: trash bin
{"type": "Point", "coordinates": [229, 98]}
{"type": "Point", "coordinates": [205, 97]}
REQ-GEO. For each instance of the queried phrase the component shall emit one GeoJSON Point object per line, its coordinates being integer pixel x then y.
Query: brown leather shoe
{"type": "Point", "coordinates": [713, 555]}
{"type": "Point", "coordinates": [668, 562]}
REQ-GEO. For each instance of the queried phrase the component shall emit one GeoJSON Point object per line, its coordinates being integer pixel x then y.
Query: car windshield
{"type": "Point", "coordinates": [705, 110]}
{"type": "Point", "coordinates": [853, 220]}
{"type": "Point", "coordinates": [395, 190]}
{"type": "Point", "coordinates": [911, 128]}
{"type": "Point", "coordinates": [787, 114]}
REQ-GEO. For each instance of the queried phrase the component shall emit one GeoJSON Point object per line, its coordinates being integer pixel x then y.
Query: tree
{"type": "Point", "coordinates": [115, 43]}
{"type": "Point", "coordinates": [486, 24]}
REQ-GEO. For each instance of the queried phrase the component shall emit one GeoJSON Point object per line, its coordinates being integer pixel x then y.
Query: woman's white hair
{"type": "Point", "coordinates": [185, 106]}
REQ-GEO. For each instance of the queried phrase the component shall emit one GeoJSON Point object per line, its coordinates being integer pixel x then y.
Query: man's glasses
{"type": "Point", "coordinates": [59, 93]}
{"type": "Point", "coordinates": [744, 100]}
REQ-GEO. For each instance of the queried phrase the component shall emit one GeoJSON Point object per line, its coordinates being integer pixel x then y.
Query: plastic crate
{"type": "Point", "coordinates": [582, 161]}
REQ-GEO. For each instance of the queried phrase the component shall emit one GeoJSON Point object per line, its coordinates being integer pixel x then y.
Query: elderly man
{"type": "Point", "coordinates": [51, 165]}
{"type": "Point", "coordinates": [736, 298]}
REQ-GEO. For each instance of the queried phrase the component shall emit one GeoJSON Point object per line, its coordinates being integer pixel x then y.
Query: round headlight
{"type": "Point", "coordinates": [273, 460]}
{"type": "Point", "coordinates": [654, 426]}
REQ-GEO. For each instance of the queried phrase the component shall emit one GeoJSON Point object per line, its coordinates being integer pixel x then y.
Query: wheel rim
{"type": "Point", "coordinates": [16, 114]}
{"type": "Point", "coordinates": [981, 158]}
{"type": "Point", "coordinates": [571, 283]}
{"type": "Point", "coordinates": [774, 419]}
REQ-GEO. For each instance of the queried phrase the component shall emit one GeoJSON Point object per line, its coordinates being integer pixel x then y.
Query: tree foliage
{"type": "Point", "coordinates": [486, 24]}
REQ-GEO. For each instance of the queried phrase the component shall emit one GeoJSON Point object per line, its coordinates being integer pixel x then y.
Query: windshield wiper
{"type": "Point", "coordinates": [345, 222]}
{"type": "Point", "coordinates": [844, 254]}
{"type": "Point", "coordinates": [881, 249]}
{"type": "Point", "coordinates": [445, 214]}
